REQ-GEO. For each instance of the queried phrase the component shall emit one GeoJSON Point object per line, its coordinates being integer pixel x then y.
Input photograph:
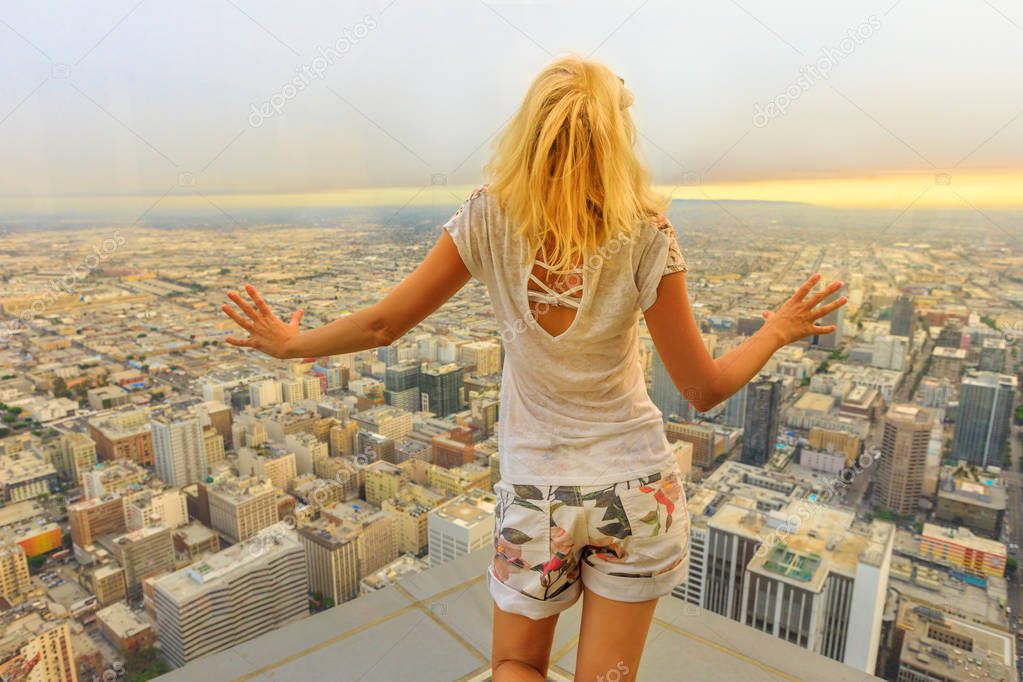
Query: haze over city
{"type": "Point", "coordinates": [106, 112]}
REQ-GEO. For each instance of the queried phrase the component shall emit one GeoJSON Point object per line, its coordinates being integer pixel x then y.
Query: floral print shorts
{"type": "Point", "coordinates": [626, 541]}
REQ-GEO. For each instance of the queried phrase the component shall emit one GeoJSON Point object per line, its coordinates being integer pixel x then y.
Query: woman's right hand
{"type": "Point", "coordinates": [797, 317]}
{"type": "Point", "coordinates": [267, 332]}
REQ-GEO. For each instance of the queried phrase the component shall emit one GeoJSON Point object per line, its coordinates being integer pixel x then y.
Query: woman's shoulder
{"type": "Point", "coordinates": [651, 228]}
{"type": "Point", "coordinates": [479, 191]}
{"type": "Point", "coordinates": [477, 197]}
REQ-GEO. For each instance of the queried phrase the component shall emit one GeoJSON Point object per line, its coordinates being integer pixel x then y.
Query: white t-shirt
{"type": "Point", "coordinates": [574, 408]}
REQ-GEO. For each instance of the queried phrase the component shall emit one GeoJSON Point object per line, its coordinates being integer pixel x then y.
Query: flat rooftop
{"type": "Point", "coordinates": [435, 626]}
{"type": "Point", "coordinates": [467, 510]}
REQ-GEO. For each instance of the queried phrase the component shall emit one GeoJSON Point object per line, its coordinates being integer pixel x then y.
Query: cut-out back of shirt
{"type": "Point", "coordinates": [554, 296]}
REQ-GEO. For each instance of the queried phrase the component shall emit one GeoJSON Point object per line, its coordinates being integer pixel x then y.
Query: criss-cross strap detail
{"type": "Point", "coordinates": [551, 296]}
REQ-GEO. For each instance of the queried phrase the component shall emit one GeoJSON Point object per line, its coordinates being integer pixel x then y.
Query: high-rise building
{"type": "Point", "coordinates": [382, 481]}
{"type": "Point", "coordinates": [835, 317]}
{"type": "Point", "coordinates": [76, 454]}
{"type": "Point", "coordinates": [179, 449]}
{"type": "Point", "coordinates": [760, 428]}
{"type": "Point", "coordinates": [232, 596]}
{"type": "Point", "coordinates": [462, 525]}
{"type": "Point", "coordinates": [307, 449]}
{"type": "Point", "coordinates": [95, 517]}
{"type": "Point", "coordinates": [735, 408]}
{"type": "Point", "coordinates": [218, 415]}
{"type": "Point", "coordinates": [378, 541]}
{"type": "Point", "coordinates": [411, 509]}
{"type": "Point", "coordinates": [332, 559]}
{"type": "Point", "coordinates": [151, 507]}
{"type": "Point", "coordinates": [951, 335]}
{"type": "Point", "coordinates": [484, 407]}
{"type": "Point", "coordinates": [766, 553]}
{"type": "Point", "coordinates": [266, 392]}
{"type": "Point", "coordinates": [388, 354]}
{"type": "Point", "coordinates": [292, 391]}
{"type": "Point", "coordinates": [343, 439]}
{"type": "Point", "coordinates": [194, 539]}
{"type": "Point", "coordinates": [107, 583]}
{"type": "Point", "coordinates": [985, 411]}
{"type": "Point", "coordinates": [993, 354]}
{"type": "Point", "coordinates": [442, 390]}
{"type": "Point", "coordinates": [390, 422]}
{"type": "Point", "coordinates": [904, 442]}
{"type": "Point", "coordinates": [46, 655]}
{"type": "Point", "coordinates": [700, 437]}
{"type": "Point", "coordinates": [664, 394]}
{"type": "Point", "coordinates": [112, 477]}
{"type": "Point", "coordinates": [903, 313]}
{"type": "Point", "coordinates": [972, 497]}
{"type": "Point", "coordinates": [124, 435]}
{"type": "Point", "coordinates": [24, 475]}
{"type": "Point", "coordinates": [214, 444]}
{"type": "Point", "coordinates": [14, 580]}
{"type": "Point", "coordinates": [312, 386]}
{"type": "Point", "coordinates": [483, 356]}
{"type": "Point", "coordinates": [947, 363]}
{"type": "Point", "coordinates": [401, 386]}
{"type": "Point", "coordinates": [241, 507]}
{"type": "Point", "coordinates": [275, 463]}
{"type": "Point", "coordinates": [143, 553]}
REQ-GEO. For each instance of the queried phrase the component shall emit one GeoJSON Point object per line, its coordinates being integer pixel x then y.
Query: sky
{"type": "Point", "coordinates": [129, 105]}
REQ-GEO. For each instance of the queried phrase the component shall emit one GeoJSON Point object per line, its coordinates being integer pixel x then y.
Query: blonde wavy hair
{"type": "Point", "coordinates": [565, 169]}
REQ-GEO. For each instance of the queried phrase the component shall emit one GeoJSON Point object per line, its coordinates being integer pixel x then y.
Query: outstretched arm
{"type": "Point", "coordinates": [441, 274]}
{"type": "Point", "coordinates": [701, 379]}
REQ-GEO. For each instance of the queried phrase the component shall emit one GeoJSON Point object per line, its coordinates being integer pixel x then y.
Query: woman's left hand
{"type": "Point", "coordinates": [267, 332]}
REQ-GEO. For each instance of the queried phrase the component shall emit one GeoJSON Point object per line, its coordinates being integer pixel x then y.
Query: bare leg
{"type": "Point", "coordinates": [611, 638]}
{"type": "Point", "coordinates": [521, 647]}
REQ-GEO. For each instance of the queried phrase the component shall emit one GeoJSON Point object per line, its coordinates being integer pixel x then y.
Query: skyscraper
{"type": "Point", "coordinates": [760, 426]}
{"type": "Point", "coordinates": [219, 416]}
{"type": "Point", "coordinates": [985, 408]}
{"type": "Point", "coordinates": [14, 580]}
{"type": "Point", "coordinates": [75, 455]}
{"type": "Point", "coordinates": [483, 356]}
{"type": "Point", "coordinates": [332, 558]}
{"type": "Point", "coordinates": [401, 386]}
{"type": "Point", "coordinates": [993, 353]}
{"type": "Point", "coordinates": [664, 394]}
{"type": "Point", "coordinates": [907, 431]}
{"type": "Point", "coordinates": [232, 596]}
{"type": "Point", "coordinates": [388, 354]}
{"type": "Point", "coordinates": [95, 517]}
{"type": "Point", "coordinates": [764, 553]}
{"type": "Point", "coordinates": [144, 553]}
{"type": "Point", "coordinates": [735, 408]}
{"type": "Point", "coordinates": [241, 507]}
{"type": "Point", "coordinates": [836, 317]}
{"type": "Point", "coordinates": [903, 312]}
{"type": "Point", "coordinates": [441, 387]}
{"type": "Point", "coordinates": [179, 449]}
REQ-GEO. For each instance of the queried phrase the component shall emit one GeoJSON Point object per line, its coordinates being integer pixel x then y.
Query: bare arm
{"type": "Point", "coordinates": [441, 274]}
{"type": "Point", "coordinates": [701, 379]}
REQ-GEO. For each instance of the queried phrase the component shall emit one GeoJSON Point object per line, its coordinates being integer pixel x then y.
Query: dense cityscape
{"type": "Point", "coordinates": [167, 496]}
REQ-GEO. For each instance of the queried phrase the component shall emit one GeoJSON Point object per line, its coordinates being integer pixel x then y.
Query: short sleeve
{"type": "Point", "coordinates": [467, 228]}
{"type": "Point", "coordinates": [663, 256]}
